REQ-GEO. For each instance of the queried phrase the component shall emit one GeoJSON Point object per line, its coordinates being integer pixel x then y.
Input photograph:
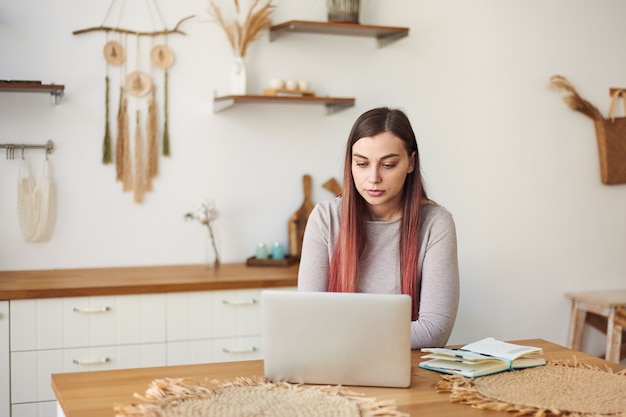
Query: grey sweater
{"type": "Point", "coordinates": [379, 270]}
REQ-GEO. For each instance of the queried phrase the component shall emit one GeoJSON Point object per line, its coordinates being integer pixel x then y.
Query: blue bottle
{"type": "Point", "coordinates": [277, 251]}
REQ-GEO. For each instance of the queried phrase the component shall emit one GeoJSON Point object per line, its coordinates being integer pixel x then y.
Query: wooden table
{"type": "Point", "coordinates": [93, 394]}
{"type": "Point", "coordinates": [604, 310]}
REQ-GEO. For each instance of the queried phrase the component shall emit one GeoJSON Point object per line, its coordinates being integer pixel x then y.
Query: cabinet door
{"type": "Point", "coordinates": [214, 350]}
{"type": "Point", "coordinates": [210, 314]}
{"type": "Point", "coordinates": [238, 349]}
{"type": "Point", "coordinates": [237, 313]}
{"type": "Point", "coordinates": [57, 323]}
{"type": "Point", "coordinates": [190, 352]}
{"type": "Point", "coordinates": [190, 315]}
{"type": "Point", "coordinates": [43, 409]}
{"type": "Point", "coordinates": [4, 359]}
{"type": "Point", "coordinates": [30, 371]}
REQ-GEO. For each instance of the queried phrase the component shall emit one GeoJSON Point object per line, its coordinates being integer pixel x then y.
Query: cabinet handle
{"type": "Point", "coordinates": [251, 301]}
{"type": "Point", "coordinates": [239, 351]}
{"type": "Point", "coordinates": [91, 310]}
{"type": "Point", "coordinates": [92, 362]}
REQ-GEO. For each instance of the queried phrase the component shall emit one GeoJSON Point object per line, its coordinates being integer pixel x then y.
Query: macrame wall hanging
{"type": "Point", "coordinates": [137, 67]}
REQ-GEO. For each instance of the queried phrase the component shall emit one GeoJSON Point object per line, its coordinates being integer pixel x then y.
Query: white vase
{"type": "Point", "coordinates": [238, 77]}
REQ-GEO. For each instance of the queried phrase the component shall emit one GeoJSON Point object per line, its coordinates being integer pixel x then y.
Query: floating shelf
{"type": "Point", "coordinates": [333, 104]}
{"type": "Point", "coordinates": [56, 91]}
{"type": "Point", "coordinates": [384, 34]}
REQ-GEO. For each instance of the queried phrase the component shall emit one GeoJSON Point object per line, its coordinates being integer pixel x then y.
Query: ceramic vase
{"type": "Point", "coordinates": [343, 11]}
{"type": "Point", "coordinates": [238, 77]}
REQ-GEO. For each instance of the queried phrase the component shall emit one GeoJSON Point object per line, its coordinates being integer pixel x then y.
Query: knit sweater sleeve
{"type": "Point", "coordinates": [439, 295]}
{"type": "Point", "coordinates": [317, 248]}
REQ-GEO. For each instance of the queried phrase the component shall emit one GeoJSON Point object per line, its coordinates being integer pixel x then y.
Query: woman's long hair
{"type": "Point", "coordinates": [344, 267]}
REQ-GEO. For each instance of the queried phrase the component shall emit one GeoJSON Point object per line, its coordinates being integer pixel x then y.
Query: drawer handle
{"type": "Point", "coordinates": [240, 351]}
{"type": "Point", "coordinates": [239, 302]}
{"type": "Point", "coordinates": [91, 310]}
{"type": "Point", "coordinates": [92, 362]}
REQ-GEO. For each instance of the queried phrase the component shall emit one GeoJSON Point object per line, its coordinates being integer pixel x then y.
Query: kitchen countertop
{"type": "Point", "coordinates": [20, 285]}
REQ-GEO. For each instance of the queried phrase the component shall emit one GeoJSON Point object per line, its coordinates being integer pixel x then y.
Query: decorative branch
{"type": "Point", "coordinates": [206, 214]}
{"type": "Point", "coordinates": [134, 32]}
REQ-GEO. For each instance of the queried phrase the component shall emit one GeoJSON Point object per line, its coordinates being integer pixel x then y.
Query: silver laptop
{"type": "Point", "coordinates": [337, 338]}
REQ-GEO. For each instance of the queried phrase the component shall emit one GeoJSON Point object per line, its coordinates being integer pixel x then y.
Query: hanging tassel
{"type": "Point", "coordinates": [151, 143]}
{"type": "Point", "coordinates": [166, 133]}
{"type": "Point", "coordinates": [119, 146]}
{"type": "Point", "coordinates": [127, 167]}
{"type": "Point", "coordinates": [106, 145]}
{"type": "Point", "coordinates": [138, 194]}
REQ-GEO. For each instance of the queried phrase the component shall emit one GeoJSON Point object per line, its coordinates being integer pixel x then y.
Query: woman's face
{"type": "Point", "coordinates": [380, 165]}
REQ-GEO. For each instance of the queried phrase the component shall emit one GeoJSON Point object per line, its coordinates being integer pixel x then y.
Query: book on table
{"type": "Point", "coordinates": [484, 357]}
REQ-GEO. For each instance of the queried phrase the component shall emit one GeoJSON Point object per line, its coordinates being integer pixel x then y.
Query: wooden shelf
{"type": "Point", "coordinates": [56, 91]}
{"type": "Point", "coordinates": [383, 34]}
{"type": "Point", "coordinates": [333, 104]}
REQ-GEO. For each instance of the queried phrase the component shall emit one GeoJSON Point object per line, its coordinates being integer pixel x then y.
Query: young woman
{"type": "Point", "coordinates": [383, 234]}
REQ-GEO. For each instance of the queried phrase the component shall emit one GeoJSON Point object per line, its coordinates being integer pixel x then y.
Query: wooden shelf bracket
{"type": "Point", "coordinates": [332, 108]}
{"type": "Point", "coordinates": [385, 39]}
{"type": "Point", "coordinates": [56, 90]}
{"type": "Point", "coordinates": [56, 95]}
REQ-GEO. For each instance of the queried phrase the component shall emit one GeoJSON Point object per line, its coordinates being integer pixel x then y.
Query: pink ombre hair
{"type": "Point", "coordinates": [344, 265]}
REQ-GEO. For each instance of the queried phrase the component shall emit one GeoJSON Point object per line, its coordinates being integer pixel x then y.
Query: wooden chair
{"type": "Point", "coordinates": [605, 311]}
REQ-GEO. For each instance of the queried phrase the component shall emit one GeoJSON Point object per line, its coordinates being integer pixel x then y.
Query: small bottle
{"type": "Point", "coordinates": [261, 251]}
{"type": "Point", "coordinates": [277, 251]}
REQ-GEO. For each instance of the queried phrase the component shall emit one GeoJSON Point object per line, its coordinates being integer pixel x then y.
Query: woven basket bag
{"type": "Point", "coordinates": [611, 136]}
{"type": "Point", "coordinates": [610, 131]}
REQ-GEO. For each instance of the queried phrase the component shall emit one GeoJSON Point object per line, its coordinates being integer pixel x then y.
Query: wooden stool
{"type": "Point", "coordinates": [607, 313]}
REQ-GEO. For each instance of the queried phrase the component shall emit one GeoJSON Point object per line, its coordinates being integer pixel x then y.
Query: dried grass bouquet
{"type": "Point", "coordinates": [206, 213]}
{"type": "Point", "coordinates": [241, 34]}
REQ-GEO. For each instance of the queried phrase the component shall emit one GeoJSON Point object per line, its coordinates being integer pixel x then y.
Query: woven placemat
{"type": "Point", "coordinates": [246, 397]}
{"type": "Point", "coordinates": [561, 388]}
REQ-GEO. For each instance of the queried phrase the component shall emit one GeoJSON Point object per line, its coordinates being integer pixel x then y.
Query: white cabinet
{"type": "Point", "coordinates": [5, 401]}
{"type": "Point", "coordinates": [213, 326]}
{"type": "Point", "coordinates": [55, 323]}
{"type": "Point", "coordinates": [48, 408]}
{"type": "Point", "coordinates": [214, 350]}
{"type": "Point", "coordinates": [77, 334]}
{"type": "Point", "coordinates": [209, 314]}
{"type": "Point", "coordinates": [30, 371]}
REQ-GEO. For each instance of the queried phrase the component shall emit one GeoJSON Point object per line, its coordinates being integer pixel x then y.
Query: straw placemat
{"type": "Point", "coordinates": [245, 397]}
{"type": "Point", "coordinates": [561, 388]}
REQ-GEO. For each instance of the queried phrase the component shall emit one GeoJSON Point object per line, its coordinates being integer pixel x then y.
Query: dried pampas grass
{"type": "Point", "coordinates": [241, 35]}
{"type": "Point", "coordinates": [574, 101]}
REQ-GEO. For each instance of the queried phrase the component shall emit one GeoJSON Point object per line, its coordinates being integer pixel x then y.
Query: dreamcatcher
{"type": "Point", "coordinates": [135, 71]}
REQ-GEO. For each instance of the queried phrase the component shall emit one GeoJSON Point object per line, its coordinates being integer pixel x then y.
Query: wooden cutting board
{"type": "Point", "coordinates": [297, 221]}
{"type": "Point", "coordinates": [333, 186]}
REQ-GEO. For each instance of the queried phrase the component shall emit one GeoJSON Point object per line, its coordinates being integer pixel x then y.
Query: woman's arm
{"type": "Point", "coordinates": [439, 296]}
{"type": "Point", "coordinates": [315, 258]}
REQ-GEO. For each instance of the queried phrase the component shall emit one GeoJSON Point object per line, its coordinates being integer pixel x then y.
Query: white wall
{"type": "Point", "coordinates": [518, 169]}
